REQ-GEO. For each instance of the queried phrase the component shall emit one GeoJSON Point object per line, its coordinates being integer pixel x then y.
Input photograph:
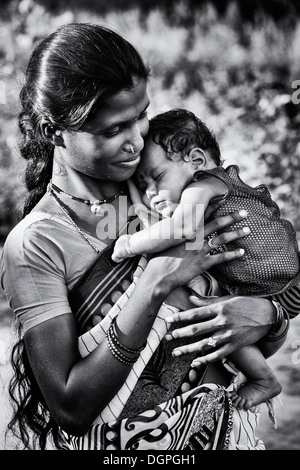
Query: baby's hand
{"type": "Point", "coordinates": [122, 249]}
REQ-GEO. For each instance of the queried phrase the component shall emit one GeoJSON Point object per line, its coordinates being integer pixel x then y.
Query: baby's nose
{"type": "Point", "coordinates": [150, 193]}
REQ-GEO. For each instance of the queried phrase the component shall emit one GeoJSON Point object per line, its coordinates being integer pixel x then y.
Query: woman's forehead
{"type": "Point", "coordinates": [122, 107]}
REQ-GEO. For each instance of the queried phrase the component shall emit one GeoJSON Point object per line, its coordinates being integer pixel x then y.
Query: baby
{"type": "Point", "coordinates": [179, 176]}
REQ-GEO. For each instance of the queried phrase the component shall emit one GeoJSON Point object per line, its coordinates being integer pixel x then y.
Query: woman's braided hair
{"type": "Point", "coordinates": [70, 74]}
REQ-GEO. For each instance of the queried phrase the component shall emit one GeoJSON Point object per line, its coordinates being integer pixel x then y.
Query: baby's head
{"type": "Point", "coordinates": [177, 145]}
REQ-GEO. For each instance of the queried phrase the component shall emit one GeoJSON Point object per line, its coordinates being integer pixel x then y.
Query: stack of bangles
{"type": "Point", "coordinates": [118, 350]}
{"type": "Point", "coordinates": [282, 323]}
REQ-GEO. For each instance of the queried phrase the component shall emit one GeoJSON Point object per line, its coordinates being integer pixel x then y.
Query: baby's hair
{"type": "Point", "coordinates": [177, 131]}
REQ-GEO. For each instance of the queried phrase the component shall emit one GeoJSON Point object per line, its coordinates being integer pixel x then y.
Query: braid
{"type": "Point", "coordinates": [71, 73]}
{"type": "Point", "coordinates": [31, 412]}
{"type": "Point", "coordinates": [39, 155]}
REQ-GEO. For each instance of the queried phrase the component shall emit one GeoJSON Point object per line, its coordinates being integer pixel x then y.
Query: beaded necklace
{"type": "Point", "coordinates": [55, 198]}
{"type": "Point", "coordinates": [95, 205]}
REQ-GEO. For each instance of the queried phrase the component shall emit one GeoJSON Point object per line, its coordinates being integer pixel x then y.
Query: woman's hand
{"type": "Point", "coordinates": [229, 322]}
{"type": "Point", "coordinates": [181, 264]}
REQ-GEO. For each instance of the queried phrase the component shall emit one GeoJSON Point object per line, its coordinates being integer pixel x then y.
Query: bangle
{"type": "Point", "coordinates": [116, 353]}
{"type": "Point", "coordinates": [118, 349]}
{"type": "Point", "coordinates": [281, 318]}
{"type": "Point", "coordinates": [116, 340]}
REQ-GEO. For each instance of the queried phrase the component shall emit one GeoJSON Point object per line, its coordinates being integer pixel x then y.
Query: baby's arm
{"type": "Point", "coordinates": [183, 224]}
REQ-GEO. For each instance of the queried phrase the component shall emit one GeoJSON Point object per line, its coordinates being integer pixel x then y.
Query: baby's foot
{"type": "Point", "coordinates": [255, 392]}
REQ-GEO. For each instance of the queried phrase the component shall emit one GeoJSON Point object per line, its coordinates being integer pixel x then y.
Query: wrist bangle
{"type": "Point", "coordinates": [282, 319]}
{"type": "Point", "coordinates": [114, 335]}
{"type": "Point", "coordinates": [279, 318]}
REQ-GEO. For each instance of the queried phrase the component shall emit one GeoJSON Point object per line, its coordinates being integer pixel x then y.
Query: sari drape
{"type": "Point", "coordinates": [158, 407]}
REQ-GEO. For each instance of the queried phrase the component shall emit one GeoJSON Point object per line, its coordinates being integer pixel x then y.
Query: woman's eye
{"type": "Point", "coordinates": [112, 132]}
{"type": "Point", "coordinates": [143, 115]}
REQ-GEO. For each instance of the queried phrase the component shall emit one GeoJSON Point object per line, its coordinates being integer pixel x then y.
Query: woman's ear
{"type": "Point", "coordinates": [198, 159]}
{"type": "Point", "coordinates": [51, 133]}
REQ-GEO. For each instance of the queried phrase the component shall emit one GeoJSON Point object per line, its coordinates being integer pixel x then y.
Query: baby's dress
{"type": "Point", "coordinates": [270, 264]}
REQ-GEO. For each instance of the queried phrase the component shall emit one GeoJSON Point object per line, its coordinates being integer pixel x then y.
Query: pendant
{"type": "Point", "coordinates": [96, 208]}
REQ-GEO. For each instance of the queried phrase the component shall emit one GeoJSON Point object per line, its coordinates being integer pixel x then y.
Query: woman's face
{"type": "Point", "coordinates": [101, 148]}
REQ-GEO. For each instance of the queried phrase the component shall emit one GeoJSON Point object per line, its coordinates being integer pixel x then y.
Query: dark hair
{"type": "Point", "coordinates": [177, 131]}
{"type": "Point", "coordinates": [70, 74]}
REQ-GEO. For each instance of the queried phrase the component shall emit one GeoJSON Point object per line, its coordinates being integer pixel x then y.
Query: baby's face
{"type": "Point", "coordinates": [161, 181]}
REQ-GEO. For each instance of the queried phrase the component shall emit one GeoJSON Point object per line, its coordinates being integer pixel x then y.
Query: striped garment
{"type": "Point", "coordinates": [200, 418]}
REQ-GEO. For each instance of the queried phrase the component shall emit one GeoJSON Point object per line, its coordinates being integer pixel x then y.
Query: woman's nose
{"type": "Point", "coordinates": [150, 193]}
{"type": "Point", "coordinates": [136, 137]}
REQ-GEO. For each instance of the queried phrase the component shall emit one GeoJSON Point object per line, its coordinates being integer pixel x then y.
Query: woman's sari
{"type": "Point", "coordinates": [163, 404]}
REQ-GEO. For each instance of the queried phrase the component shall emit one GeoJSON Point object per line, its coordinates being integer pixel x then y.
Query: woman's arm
{"type": "Point", "coordinates": [77, 389]}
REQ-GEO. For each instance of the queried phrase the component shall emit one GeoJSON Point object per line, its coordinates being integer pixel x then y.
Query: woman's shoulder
{"type": "Point", "coordinates": [32, 234]}
{"type": "Point", "coordinates": [32, 223]}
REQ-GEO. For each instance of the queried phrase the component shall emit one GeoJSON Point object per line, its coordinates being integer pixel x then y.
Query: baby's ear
{"type": "Point", "coordinates": [198, 158]}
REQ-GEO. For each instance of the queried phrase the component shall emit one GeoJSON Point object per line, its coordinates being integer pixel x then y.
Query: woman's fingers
{"type": "Point", "coordinates": [190, 330]}
{"type": "Point", "coordinates": [227, 237]}
{"type": "Point", "coordinates": [213, 356]}
{"type": "Point", "coordinates": [207, 352]}
{"type": "Point", "coordinates": [224, 257]}
{"type": "Point", "coordinates": [224, 221]}
{"type": "Point", "coordinates": [192, 315]}
{"type": "Point", "coordinates": [203, 301]}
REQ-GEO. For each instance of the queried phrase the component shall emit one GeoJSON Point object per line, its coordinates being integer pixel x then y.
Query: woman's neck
{"type": "Point", "coordinates": [104, 225]}
{"type": "Point", "coordinates": [85, 187]}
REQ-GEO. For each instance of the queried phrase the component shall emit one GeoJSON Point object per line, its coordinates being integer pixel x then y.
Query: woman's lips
{"type": "Point", "coordinates": [129, 162]}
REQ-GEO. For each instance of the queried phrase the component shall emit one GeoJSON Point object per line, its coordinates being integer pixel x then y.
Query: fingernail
{"type": "Point", "coordinates": [195, 364]}
{"type": "Point", "coordinates": [169, 319]}
{"type": "Point", "coordinates": [168, 337]}
{"type": "Point", "coordinates": [246, 229]}
{"type": "Point", "coordinates": [176, 353]}
{"type": "Point", "coordinates": [243, 213]}
{"type": "Point", "coordinates": [242, 251]}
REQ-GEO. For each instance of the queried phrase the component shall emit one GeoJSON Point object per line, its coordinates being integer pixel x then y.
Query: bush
{"type": "Point", "coordinates": [231, 62]}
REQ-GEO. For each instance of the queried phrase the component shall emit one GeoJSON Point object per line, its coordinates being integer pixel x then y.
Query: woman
{"type": "Point", "coordinates": [83, 119]}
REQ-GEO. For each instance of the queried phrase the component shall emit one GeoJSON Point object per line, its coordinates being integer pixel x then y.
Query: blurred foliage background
{"type": "Point", "coordinates": [232, 62]}
{"type": "Point", "coordinates": [235, 63]}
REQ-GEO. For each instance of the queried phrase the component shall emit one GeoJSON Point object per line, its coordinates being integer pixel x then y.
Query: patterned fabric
{"type": "Point", "coordinates": [271, 261]}
{"type": "Point", "coordinates": [290, 301]}
{"type": "Point", "coordinates": [202, 417]}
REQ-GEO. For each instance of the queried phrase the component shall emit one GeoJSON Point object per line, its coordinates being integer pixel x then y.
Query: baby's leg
{"type": "Point", "coordinates": [261, 384]}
